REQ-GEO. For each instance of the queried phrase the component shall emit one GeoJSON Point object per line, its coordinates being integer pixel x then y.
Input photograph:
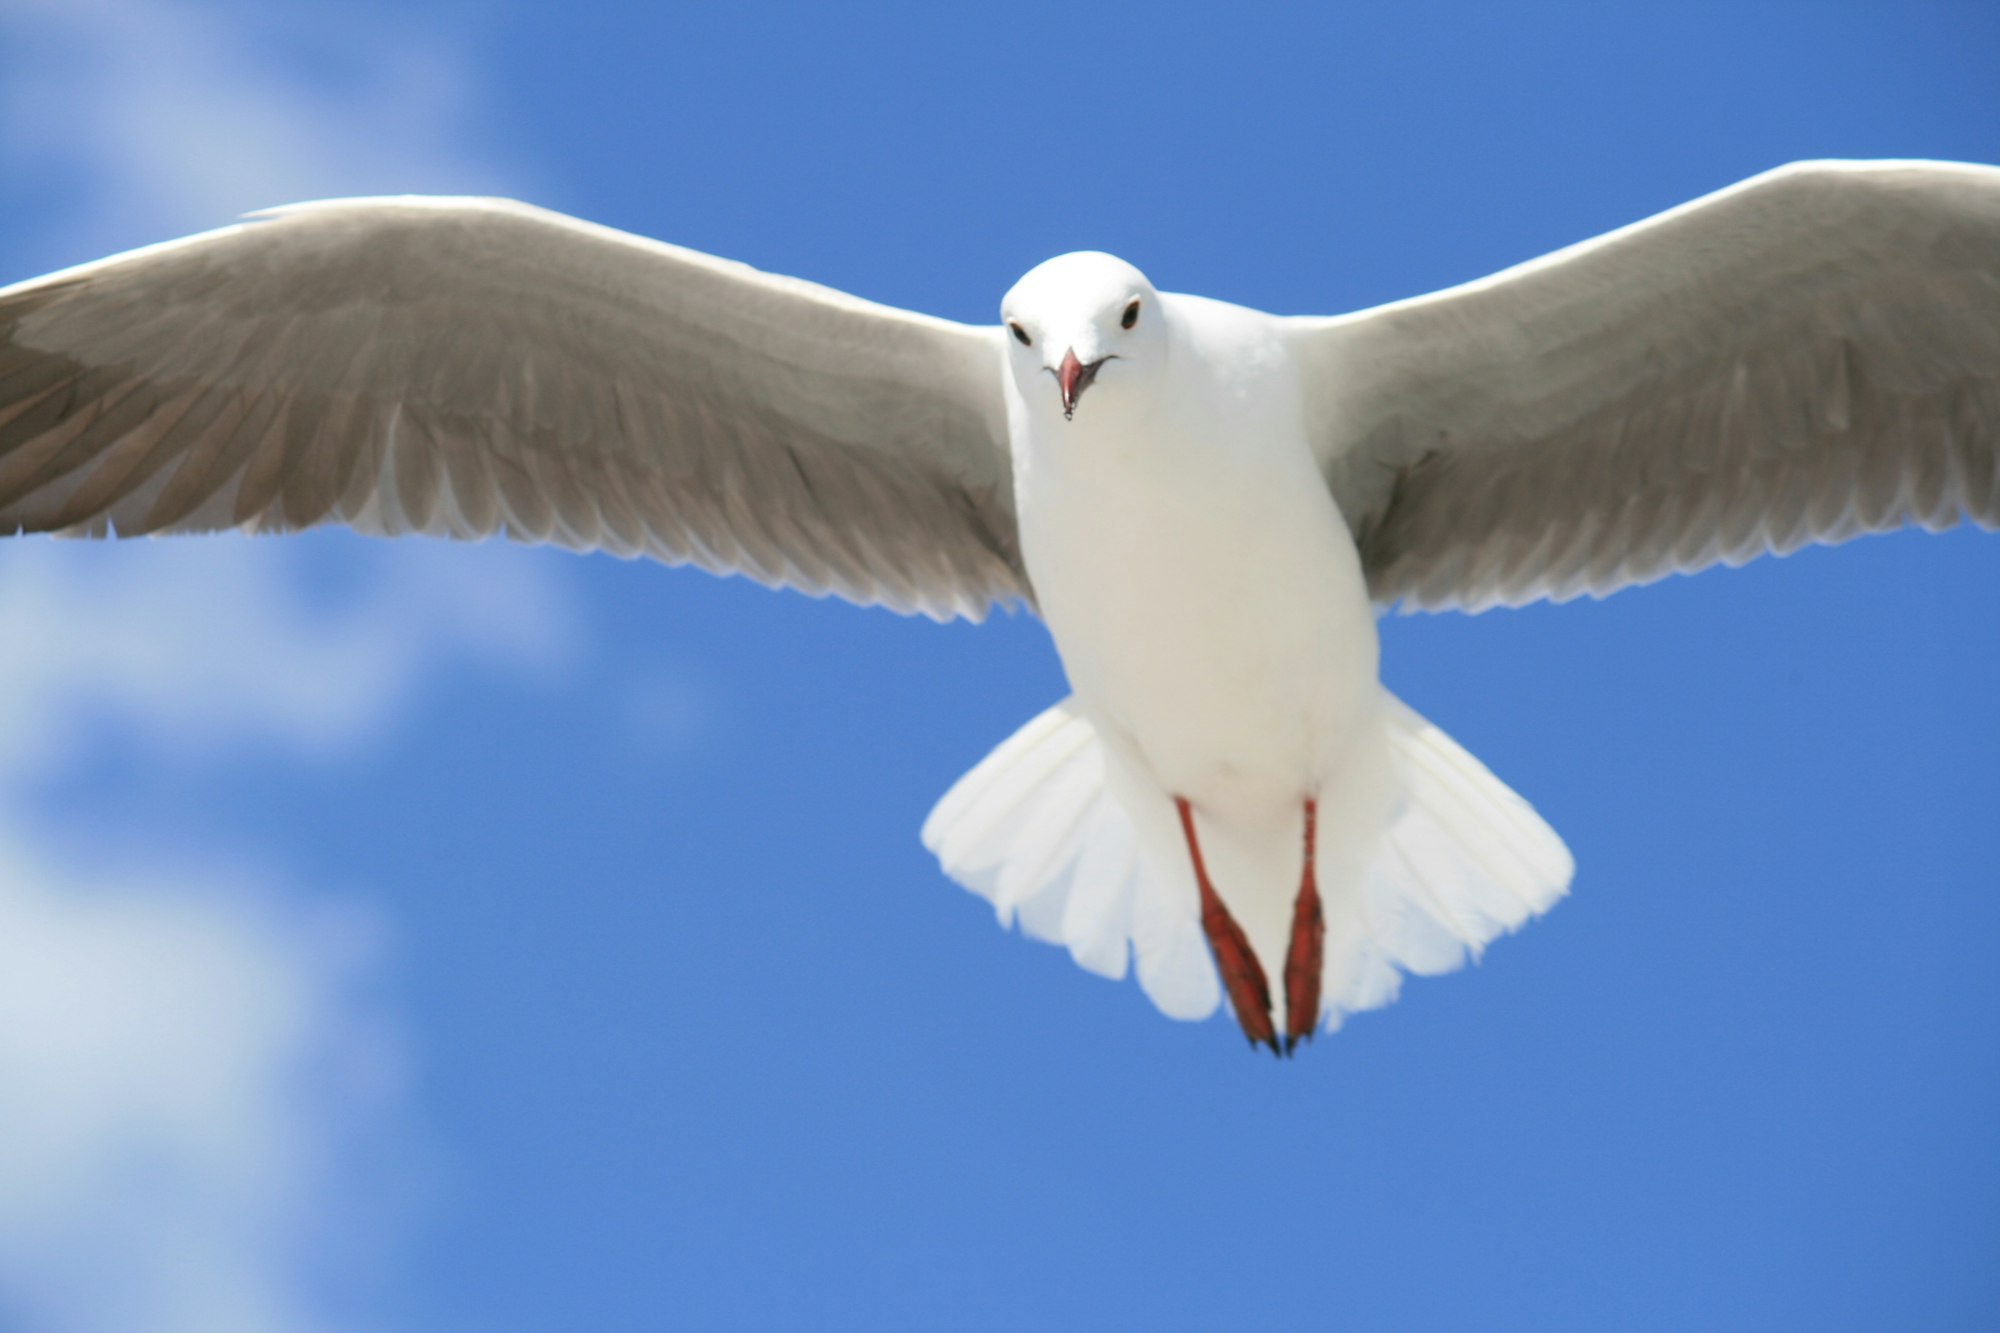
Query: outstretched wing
{"type": "Point", "coordinates": [469, 367]}
{"type": "Point", "coordinates": [1809, 355]}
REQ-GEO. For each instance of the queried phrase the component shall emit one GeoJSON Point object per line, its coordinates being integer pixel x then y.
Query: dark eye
{"type": "Point", "coordinates": [1021, 334]}
{"type": "Point", "coordinates": [1131, 315]}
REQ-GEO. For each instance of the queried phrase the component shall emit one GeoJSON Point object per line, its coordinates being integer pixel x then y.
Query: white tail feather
{"type": "Point", "coordinates": [1464, 859]}
{"type": "Point", "coordinates": [1035, 830]}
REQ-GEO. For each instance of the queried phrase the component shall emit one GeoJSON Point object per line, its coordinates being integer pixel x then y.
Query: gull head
{"type": "Point", "coordinates": [1078, 316]}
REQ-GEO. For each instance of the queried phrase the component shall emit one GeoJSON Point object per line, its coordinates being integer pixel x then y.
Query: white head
{"type": "Point", "coordinates": [1080, 320]}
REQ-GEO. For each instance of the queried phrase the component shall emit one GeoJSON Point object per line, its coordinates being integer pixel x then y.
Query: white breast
{"type": "Point", "coordinates": [1200, 584]}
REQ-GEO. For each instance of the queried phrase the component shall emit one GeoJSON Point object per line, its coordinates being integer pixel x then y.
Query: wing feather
{"type": "Point", "coordinates": [1809, 355]}
{"type": "Point", "coordinates": [476, 367]}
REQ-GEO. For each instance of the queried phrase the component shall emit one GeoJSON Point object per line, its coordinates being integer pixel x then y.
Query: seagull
{"type": "Point", "coordinates": [1207, 505]}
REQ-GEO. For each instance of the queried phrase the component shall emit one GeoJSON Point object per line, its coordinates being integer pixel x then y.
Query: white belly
{"type": "Point", "coordinates": [1210, 611]}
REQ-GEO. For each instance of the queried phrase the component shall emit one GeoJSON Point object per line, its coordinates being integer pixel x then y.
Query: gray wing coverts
{"type": "Point", "coordinates": [1807, 356]}
{"type": "Point", "coordinates": [467, 368]}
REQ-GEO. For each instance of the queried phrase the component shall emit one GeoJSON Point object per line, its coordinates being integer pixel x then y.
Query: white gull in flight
{"type": "Point", "coordinates": [1205, 503]}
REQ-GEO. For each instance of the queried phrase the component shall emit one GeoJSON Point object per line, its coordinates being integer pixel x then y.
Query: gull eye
{"type": "Point", "coordinates": [1131, 314]}
{"type": "Point", "coordinates": [1021, 334]}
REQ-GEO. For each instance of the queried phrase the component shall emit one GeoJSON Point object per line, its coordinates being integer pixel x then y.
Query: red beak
{"type": "Point", "coordinates": [1073, 378]}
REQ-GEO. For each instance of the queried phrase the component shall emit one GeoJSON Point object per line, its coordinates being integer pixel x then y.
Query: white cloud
{"type": "Point", "coordinates": [194, 1076]}
{"type": "Point", "coordinates": [191, 1069]}
{"type": "Point", "coordinates": [136, 120]}
{"type": "Point", "coordinates": [165, 1159]}
{"type": "Point", "coordinates": [134, 630]}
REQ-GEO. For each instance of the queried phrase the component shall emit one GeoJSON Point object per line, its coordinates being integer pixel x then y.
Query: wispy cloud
{"type": "Point", "coordinates": [188, 1063]}
{"type": "Point", "coordinates": [193, 1073]}
{"type": "Point", "coordinates": [134, 120]}
{"type": "Point", "coordinates": [191, 1068]}
{"type": "Point", "coordinates": [203, 643]}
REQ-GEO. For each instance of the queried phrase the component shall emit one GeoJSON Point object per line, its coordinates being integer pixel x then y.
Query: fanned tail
{"type": "Point", "coordinates": [1036, 830]}
{"type": "Point", "coordinates": [1464, 859]}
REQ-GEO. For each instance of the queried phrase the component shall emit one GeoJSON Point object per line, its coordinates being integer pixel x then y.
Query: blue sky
{"type": "Point", "coordinates": [398, 936]}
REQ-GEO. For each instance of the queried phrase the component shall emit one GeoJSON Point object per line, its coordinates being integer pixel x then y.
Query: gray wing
{"type": "Point", "coordinates": [471, 367]}
{"type": "Point", "coordinates": [1806, 356]}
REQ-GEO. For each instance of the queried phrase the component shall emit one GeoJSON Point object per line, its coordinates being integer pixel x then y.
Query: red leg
{"type": "Point", "coordinates": [1308, 952]}
{"type": "Point", "coordinates": [1242, 974]}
